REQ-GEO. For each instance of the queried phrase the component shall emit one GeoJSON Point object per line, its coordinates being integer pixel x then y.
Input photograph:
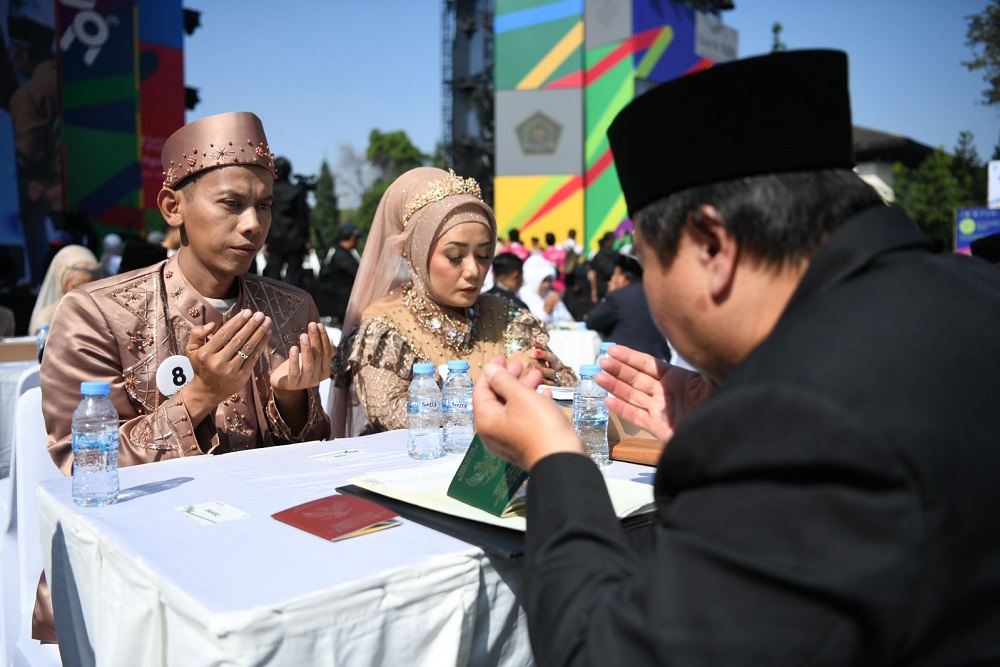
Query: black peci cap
{"type": "Point", "coordinates": [786, 111]}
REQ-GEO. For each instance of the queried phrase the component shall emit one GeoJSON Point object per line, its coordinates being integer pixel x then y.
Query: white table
{"type": "Point", "coordinates": [576, 347]}
{"type": "Point", "coordinates": [147, 585]}
{"type": "Point", "coordinates": [10, 372]}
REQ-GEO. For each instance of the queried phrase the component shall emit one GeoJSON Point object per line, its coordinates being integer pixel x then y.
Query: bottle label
{"type": "Point", "coordinates": [428, 404]}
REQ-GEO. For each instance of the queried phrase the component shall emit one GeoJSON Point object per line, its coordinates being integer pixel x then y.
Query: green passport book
{"type": "Point", "coordinates": [486, 481]}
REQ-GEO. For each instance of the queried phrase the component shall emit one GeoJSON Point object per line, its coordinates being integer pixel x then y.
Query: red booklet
{"type": "Point", "coordinates": [338, 517]}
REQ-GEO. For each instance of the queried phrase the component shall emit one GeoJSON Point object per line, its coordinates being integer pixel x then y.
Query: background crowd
{"type": "Point", "coordinates": [557, 280]}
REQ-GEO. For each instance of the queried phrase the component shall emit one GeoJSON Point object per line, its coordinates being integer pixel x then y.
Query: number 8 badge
{"type": "Point", "coordinates": [174, 374]}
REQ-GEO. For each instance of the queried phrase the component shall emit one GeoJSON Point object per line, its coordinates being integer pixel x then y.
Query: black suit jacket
{"type": "Point", "coordinates": [289, 218]}
{"type": "Point", "coordinates": [336, 282]}
{"type": "Point", "coordinates": [623, 317]}
{"type": "Point", "coordinates": [499, 290]}
{"type": "Point", "coordinates": [835, 502]}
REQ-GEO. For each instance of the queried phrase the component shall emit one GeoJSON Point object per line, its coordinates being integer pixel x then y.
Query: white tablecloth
{"type": "Point", "coordinates": [575, 348]}
{"type": "Point", "coordinates": [10, 372]}
{"type": "Point", "coordinates": [153, 587]}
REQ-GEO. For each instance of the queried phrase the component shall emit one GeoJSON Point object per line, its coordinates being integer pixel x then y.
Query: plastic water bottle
{"type": "Point", "coordinates": [590, 415]}
{"type": "Point", "coordinates": [423, 411]}
{"type": "Point", "coordinates": [457, 395]}
{"type": "Point", "coordinates": [603, 353]}
{"type": "Point", "coordinates": [95, 447]}
{"type": "Point", "coordinates": [43, 335]}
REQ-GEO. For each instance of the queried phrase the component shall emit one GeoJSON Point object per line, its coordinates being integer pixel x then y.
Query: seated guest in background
{"type": "Point", "coordinates": [570, 245]}
{"type": "Point", "coordinates": [602, 265]}
{"type": "Point", "coordinates": [543, 301]}
{"type": "Point", "coordinates": [556, 255]}
{"type": "Point", "coordinates": [143, 252]}
{"type": "Point", "coordinates": [340, 268]}
{"type": "Point", "coordinates": [623, 315]}
{"type": "Point", "coordinates": [72, 266]}
{"type": "Point", "coordinates": [417, 299]}
{"type": "Point", "coordinates": [111, 254]}
{"type": "Point", "coordinates": [577, 294]}
{"type": "Point", "coordinates": [515, 246]}
{"type": "Point", "coordinates": [828, 504]}
{"type": "Point", "coordinates": [508, 276]}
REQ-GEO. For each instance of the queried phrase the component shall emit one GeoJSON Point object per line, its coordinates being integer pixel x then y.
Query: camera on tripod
{"type": "Point", "coordinates": [307, 183]}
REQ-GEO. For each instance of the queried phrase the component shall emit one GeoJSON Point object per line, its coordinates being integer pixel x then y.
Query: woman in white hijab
{"type": "Point", "coordinates": [417, 298]}
{"type": "Point", "coordinates": [72, 266]}
{"type": "Point", "coordinates": [544, 302]}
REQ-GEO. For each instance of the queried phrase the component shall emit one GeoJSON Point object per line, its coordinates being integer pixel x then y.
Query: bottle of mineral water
{"type": "Point", "coordinates": [95, 447]}
{"type": "Point", "coordinates": [603, 353]}
{"type": "Point", "coordinates": [423, 411]}
{"type": "Point", "coordinates": [590, 415]}
{"type": "Point", "coordinates": [457, 398]}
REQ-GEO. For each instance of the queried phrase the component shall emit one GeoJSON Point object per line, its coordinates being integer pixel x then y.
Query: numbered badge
{"type": "Point", "coordinates": [174, 374]}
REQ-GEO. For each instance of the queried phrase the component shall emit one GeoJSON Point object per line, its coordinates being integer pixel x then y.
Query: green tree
{"type": "Point", "coordinates": [776, 43]}
{"type": "Point", "coordinates": [325, 214]}
{"type": "Point", "coordinates": [932, 192]}
{"type": "Point", "coordinates": [970, 171]}
{"type": "Point", "coordinates": [983, 37]}
{"type": "Point", "coordinates": [929, 194]}
{"type": "Point", "coordinates": [391, 154]}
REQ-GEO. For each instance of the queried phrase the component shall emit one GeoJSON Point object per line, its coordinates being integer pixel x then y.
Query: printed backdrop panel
{"type": "Point", "coordinates": [539, 132]}
{"type": "Point", "coordinates": [101, 110]}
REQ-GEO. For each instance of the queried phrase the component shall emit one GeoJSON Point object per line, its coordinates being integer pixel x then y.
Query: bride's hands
{"type": "Point", "coordinates": [538, 357]}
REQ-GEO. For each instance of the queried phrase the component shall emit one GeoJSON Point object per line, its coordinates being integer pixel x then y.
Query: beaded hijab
{"type": "Point", "coordinates": [416, 210]}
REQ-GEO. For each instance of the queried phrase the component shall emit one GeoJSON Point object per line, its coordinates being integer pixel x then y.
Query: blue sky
{"type": "Point", "coordinates": [322, 73]}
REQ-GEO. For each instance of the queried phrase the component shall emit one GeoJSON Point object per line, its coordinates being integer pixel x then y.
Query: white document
{"type": "Point", "coordinates": [427, 486]}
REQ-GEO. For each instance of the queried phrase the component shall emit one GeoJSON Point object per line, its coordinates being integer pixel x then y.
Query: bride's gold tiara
{"type": "Point", "coordinates": [452, 184]}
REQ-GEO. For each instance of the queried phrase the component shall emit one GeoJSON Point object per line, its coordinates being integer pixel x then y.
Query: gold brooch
{"type": "Point", "coordinates": [452, 184]}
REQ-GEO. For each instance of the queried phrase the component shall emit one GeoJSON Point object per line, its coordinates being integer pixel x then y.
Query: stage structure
{"type": "Point", "coordinates": [468, 90]}
{"type": "Point", "coordinates": [562, 70]}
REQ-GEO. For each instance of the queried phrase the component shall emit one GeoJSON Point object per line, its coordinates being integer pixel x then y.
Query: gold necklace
{"type": "Point", "coordinates": [456, 333]}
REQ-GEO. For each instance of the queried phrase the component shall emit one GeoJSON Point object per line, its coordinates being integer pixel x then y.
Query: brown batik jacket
{"type": "Point", "coordinates": [122, 328]}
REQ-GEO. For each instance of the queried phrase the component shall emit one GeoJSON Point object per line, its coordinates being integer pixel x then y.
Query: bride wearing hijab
{"type": "Point", "coordinates": [417, 299]}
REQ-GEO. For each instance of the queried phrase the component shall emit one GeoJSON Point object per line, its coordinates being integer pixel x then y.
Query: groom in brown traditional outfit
{"type": "Point", "coordinates": [201, 358]}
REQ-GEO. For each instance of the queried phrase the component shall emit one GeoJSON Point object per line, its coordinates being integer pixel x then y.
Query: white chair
{"type": "Point", "coordinates": [31, 464]}
{"type": "Point", "coordinates": [27, 380]}
{"type": "Point", "coordinates": [9, 602]}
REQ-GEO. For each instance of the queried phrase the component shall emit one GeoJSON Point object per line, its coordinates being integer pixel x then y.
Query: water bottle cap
{"type": "Point", "coordinates": [589, 370]}
{"type": "Point", "coordinates": [95, 388]}
{"type": "Point", "coordinates": [458, 365]}
{"type": "Point", "coordinates": [605, 346]}
{"type": "Point", "coordinates": [423, 369]}
{"type": "Point", "coordinates": [44, 327]}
